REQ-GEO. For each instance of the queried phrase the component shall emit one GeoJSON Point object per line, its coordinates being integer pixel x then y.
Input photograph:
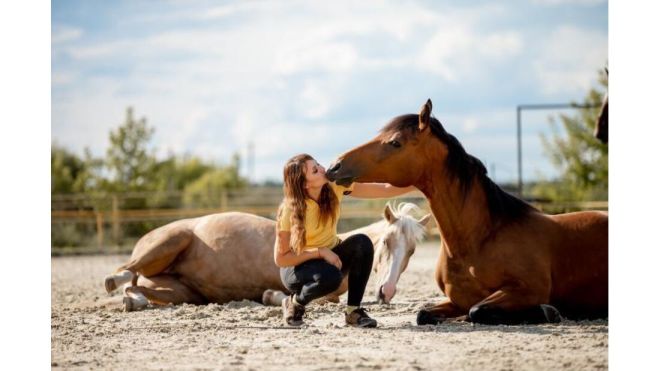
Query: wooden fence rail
{"type": "Point", "coordinates": [115, 217]}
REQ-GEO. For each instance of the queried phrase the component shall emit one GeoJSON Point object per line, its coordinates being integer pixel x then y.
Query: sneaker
{"type": "Point", "coordinates": [292, 312]}
{"type": "Point", "coordinates": [360, 318]}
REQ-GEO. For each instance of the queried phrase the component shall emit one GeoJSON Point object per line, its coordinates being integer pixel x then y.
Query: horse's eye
{"type": "Point", "coordinates": [394, 143]}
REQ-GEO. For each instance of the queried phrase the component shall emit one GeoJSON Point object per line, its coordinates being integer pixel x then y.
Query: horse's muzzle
{"type": "Point", "coordinates": [380, 297]}
{"type": "Point", "coordinates": [337, 173]}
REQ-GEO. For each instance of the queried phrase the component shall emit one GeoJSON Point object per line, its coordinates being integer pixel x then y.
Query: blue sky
{"type": "Point", "coordinates": [310, 77]}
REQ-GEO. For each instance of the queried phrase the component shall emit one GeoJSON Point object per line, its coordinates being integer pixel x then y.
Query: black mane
{"type": "Point", "coordinates": [465, 168]}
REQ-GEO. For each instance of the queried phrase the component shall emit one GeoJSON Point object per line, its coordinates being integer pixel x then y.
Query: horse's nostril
{"type": "Point", "coordinates": [334, 167]}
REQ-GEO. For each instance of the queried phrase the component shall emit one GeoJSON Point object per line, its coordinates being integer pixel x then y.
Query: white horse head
{"type": "Point", "coordinates": [395, 244]}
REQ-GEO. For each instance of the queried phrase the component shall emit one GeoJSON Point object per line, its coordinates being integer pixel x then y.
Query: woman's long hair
{"type": "Point", "coordinates": [294, 199]}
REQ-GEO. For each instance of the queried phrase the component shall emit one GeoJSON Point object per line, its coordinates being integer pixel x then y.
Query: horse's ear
{"type": "Point", "coordinates": [425, 115]}
{"type": "Point", "coordinates": [425, 220]}
{"type": "Point", "coordinates": [389, 215]}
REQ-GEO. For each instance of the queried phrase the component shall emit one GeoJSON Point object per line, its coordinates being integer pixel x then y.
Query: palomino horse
{"type": "Point", "coordinates": [229, 256]}
{"type": "Point", "coordinates": [501, 260]}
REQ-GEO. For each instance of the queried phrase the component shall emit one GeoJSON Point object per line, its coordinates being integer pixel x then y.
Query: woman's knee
{"type": "Point", "coordinates": [330, 278]}
{"type": "Point", "coordinates": [364, 246]}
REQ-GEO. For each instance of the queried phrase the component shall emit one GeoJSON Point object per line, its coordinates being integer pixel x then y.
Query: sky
{"type": "Point", "coordinates": [319, 77]}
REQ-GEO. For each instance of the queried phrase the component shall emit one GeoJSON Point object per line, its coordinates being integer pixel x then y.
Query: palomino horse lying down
{"type": "Point", "coordinates": [501, 260]}
{"type": "Point", "coordinates": [229, 256]}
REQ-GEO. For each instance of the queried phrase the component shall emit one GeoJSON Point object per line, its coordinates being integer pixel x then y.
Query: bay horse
{"type": "Point", "coordinates": [501, 260]}
{"type": "Point", "coordinates": [229, 256]}
{"type": "Point", "coordinates": [602, 123]}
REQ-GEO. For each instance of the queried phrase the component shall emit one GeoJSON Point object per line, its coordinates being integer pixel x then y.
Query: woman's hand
{"type": "Point", "coordinates": [330, 257]}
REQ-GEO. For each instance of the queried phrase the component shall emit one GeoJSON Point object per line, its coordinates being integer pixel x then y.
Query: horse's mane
{"type": "Point", "coordinates": [409, 225]}
{"type": "Point", "coordinates": [464, 168]}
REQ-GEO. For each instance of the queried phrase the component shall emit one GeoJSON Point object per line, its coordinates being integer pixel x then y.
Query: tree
{"type": "Point", "coordinates": [129, 162]}
{"type": "Point", "coordinates": [65, 167]}
{"type": "Point", "coordinates": [208, 189]}
{"type": "Point", "coordinates": [72, 174]}
{"type": "Point", "coordinates": [578, 155]}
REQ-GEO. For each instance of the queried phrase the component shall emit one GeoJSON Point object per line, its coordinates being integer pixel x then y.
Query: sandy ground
{"type": "Point", "coordinates": [90, 331]}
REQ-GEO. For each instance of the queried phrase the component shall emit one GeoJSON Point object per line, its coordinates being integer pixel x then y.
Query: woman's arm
{"type": "Point", "coordinates": [378, 190]}
{"type": "Point", "coordinates": [283, 255]}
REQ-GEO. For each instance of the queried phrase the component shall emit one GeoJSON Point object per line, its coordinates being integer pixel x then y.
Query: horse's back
{"type": "Point", "coordinates": [587, 227]}
{"type": "Point", "coordinates": [580, 264]}
{"type": "Point", "coordinates": [231, 250]}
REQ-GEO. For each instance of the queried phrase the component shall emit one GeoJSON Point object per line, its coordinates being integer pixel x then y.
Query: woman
{"type": "Point", "coordinates": [313, 260]}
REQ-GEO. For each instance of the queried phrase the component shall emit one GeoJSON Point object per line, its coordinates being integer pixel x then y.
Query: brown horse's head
{"type": "Point", "coordinates": [398, 146]}
{"type": "Point", "coordinates": [401, 154]}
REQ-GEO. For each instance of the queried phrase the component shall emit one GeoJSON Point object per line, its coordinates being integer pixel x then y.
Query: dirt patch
{"type": "Point", "coordinates": [89, 330]}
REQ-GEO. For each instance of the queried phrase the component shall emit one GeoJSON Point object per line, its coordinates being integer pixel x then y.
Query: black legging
{"type": "Point", "coordinates": [316, 278]}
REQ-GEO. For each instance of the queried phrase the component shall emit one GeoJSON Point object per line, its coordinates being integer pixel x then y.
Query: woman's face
{"type": "Point", "coordinates": [314, 174]}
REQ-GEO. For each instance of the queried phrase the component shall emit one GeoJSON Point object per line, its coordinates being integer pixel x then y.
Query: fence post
{"type": "Point", "coordinates": [99, 229]}
{"type": "Point", "coordinates": [115, 219]}
{"type": "Point", "coordinates": [223, 200]}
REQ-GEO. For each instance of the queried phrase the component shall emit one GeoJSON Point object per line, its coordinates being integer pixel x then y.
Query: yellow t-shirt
{"type": "Point", "coordinates": [317, 235]}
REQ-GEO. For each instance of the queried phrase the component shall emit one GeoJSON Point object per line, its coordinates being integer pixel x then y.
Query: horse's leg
{"type": "Point", "coordinates": [152, 254]}
{"type": "Point", "coordinates": [512, 307]}
{"type": "Point", "coordinates": [273, 297]}
{"type": "Point", "coordinates": [438, 313]}
{"type": "Point", "coordinates": [161, 289]}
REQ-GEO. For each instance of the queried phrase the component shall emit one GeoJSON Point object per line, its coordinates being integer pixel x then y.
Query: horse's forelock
{"type": "Point", "coordinates": [406, 224]}
{"type": "Point", "coordinates": [404, 208]}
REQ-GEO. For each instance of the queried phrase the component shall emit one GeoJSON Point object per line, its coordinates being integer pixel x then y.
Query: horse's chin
{"type": "Point", "coordinates": [345, 182]}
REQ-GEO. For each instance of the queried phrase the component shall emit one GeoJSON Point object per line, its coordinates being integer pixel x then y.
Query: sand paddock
{"type": "Point", "coordinates": [90, 331]}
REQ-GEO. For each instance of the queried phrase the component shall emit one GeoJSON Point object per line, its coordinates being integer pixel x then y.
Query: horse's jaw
{"type": "Point", "coordinates": [345, 182]}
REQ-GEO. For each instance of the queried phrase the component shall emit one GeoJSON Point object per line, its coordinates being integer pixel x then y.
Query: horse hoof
{"type": "Point", "coordinates": [128, 304]}
{"type": "Point", "coordinates": [267, 297]}
{"type": "Point", "coordinates": [110, 284]}
{"type": "Point", "coordinates": [272, 297]}
{"type": "Point", "coordinates": [424, 317]}
{"type": "Point", "coordinates": [551, 313]}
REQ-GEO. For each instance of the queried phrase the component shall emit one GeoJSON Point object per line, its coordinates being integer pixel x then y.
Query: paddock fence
{"type": "Point", "coordinates": [112, 223]}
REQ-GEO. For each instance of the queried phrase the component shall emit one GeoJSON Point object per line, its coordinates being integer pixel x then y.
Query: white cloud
{"type": "Point", "coordinates": [470, 124]}
{"type": "Point", "coordinates": [62, 78]}
{"type": "Point", "coordinates": [63, 34]}
{"type": "Point", "coordinates": [569, 60]}
{"type": "Point", "coordinates": [459, 50]}
{"type": "Point", "coordinates": [219, 12]}
{"type": "Point", "coordinates": [568, 2]}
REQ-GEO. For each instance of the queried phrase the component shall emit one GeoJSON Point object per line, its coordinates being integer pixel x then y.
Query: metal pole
{"type": "Point", "coordinates": [519, 109]}
{"type": "Point", "coordinates": [519, 129]}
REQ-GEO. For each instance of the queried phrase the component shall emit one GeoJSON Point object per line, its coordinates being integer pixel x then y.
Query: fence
{"type": "Point", "coordinates": [112, 223]}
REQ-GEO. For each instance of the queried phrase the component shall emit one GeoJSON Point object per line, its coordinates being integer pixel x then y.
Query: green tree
{"type": "Point", "coordinates": [207, 190]}
{"type": "Point", "coordinates": [65, 168]}
{"type": "Point", "coordinates": [72, 174]}
{"type": "Point", "coordinates": [130, 164]}
{"type": "Point", "coordinates": [580, 158]}
{"type": "Point", "coordinates": [172, 175]}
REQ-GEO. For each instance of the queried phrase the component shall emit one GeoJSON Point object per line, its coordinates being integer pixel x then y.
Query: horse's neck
{"type": "Point", "coordinates": [373, 231]}
{"type": "Point", "coordinates": [463, 220]}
